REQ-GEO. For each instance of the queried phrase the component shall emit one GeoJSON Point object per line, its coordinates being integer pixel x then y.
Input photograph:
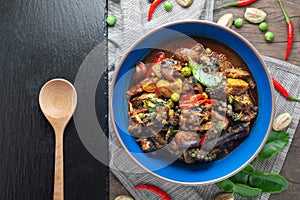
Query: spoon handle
{"type": "Point", "coordinates": [58, 193]}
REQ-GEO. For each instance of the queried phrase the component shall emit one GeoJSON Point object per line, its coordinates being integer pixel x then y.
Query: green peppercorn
{"type": "Point", "coordinates": [238, 22]}
{"type": "Point", "coordinates": [263, 26]}
{"type": "Point", "coordinates": [171, 104]}
{"type": "Point", "coordinates": [141, 115]}
{"type": "Point", "coordinates": [269, 36]}
{"type": "Point", "coordinates": [110, 20]}
{"type": "Point", "coordinates": [208, 50]}
{"type": "Point", "coordinates": [186, 71]}
{"type": "Point", "coordinates": [168, 5]}
{"type": "Point", "coordinates": [175, 97]}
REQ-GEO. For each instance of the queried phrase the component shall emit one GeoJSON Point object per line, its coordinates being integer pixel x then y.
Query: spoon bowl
{"type": "Point", "coordinates": [58, 99]}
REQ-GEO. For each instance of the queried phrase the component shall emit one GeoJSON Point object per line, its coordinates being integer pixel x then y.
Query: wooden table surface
{"type": "Point", "coordinates": [275, 49]}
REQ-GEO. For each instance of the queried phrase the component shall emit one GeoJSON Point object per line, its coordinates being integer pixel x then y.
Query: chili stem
{"type": "Point", "coordinates": [287, 19]}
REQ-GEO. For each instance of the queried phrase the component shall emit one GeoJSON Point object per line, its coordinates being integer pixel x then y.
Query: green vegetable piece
{"type": "Point", "coordinates": [207, 79]}
{"type": "Point", "coordinates": [186, 71]}
{"type": "Point", "coordinates": [141, 115]}
{"type": "Point", "coordinates": [246, 191]}
{"type": "Point", "coordinates": [271, 183]}
{"type": "Point", "coordinates": [263, 26]}
{"type": "Point", "coordinates": [249, 168]}
{"type": "Point", "coordinates": [175, 97]}
{"type": "Point", "coordinates": [241, 177]}
{"type": "Point", "coordinates": [269, 36]}
{"type": "Point", "coordinates": [238, 22]}
{"type": "Point", "coordinates": [277, 140]}
{"type": "Point", "coordinates": [225, 185]}
{"type": "Point", "coordinates": [110, 20]}
{"type": "Point", "coordinates": [168, 5]}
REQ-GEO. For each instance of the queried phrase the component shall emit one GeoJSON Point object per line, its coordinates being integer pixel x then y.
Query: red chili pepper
{"type": "Point", "coordinates": [160, 56]}
{"type": "Point", "coordinates": [153, 6]}
{"type": "Point", "coordinates": [191, 104]}
{"type": "Point", "coordinates": [190, 100]}
{"type": "Point", "coordinates": [283, 91]}
{"type": "Point", "coordinates": [193, 96]}
{"type": "Point", "coordinates": [239, 3]}
{"type": "Point", "coordinates": [163, 195]}
{"type": "Point", "coordinates": [290, 29]}
{"type": "Point", "coordinates": [203, 138]}
{"type": "Point", "coordinates": [156, 90]}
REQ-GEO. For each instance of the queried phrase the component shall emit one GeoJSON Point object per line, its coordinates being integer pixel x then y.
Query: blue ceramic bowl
{"type": "Point", "coordinates": [194, 174]}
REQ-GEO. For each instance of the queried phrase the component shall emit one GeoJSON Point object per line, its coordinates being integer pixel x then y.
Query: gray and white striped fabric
{"type": "Point", "coordinates": [131, 24]}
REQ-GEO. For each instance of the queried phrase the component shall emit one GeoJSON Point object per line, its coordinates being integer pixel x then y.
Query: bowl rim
{"type": "Point", "coordinates": [134, 45]}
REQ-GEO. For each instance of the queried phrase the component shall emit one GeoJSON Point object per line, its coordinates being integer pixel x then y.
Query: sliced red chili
{"type": "Point", "coordinates": [290, 29]}
{"type": "Point", "coordinates": [163, 195]}
{"type": "Point", "coordinates": [283, 91]}
{"type": "Point", "coordinates": [239, 3]}
{"type": "Point", "coordinates": [189, 105]}
{"type": "Point", "coordinates": [156, 90]}
{"type": "Point", "coordinates": [152, 8]}
{"type": "Point", "coordinates": [193, 96]}
{"type": "Point", "coordinates": [160, 56]}
{"type": "Point", "coordinates": [203, 138]}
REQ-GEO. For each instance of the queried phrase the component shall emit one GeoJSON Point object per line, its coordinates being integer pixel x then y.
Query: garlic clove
{"type": "Point", "coordinates": [282, 121]}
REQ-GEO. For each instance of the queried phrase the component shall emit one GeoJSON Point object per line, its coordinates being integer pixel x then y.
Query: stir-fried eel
{"type": "Point", "coordinates": [192, 117]}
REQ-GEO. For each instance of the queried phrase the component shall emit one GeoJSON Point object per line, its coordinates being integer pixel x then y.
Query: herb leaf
{"type": "Point", "coordinates": [276, 142]}
{"type": "Point", "coordinates": [225, 185]}
{"type": "Point", "coordinates": [207, 79]}
{"type": "Point", "coordinates": [272, 183]}
{"type": "Point", "coordinates": [246, 191]}
{"type": "Point", "coordinates": [241, 177]}
{"type": "Point", "coordinates": [249, 168]}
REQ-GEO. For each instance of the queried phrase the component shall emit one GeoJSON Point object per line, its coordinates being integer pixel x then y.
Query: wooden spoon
{"type": "Point", "coordinates": [58, 99]}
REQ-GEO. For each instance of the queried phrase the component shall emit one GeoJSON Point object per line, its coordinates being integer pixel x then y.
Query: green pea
{"type": "Point", "coordinates": [110, 20]}
{"type": "Point", "coordinates": [263, 26]}
{"type": "Point", "coordinates": [269, 36]}
{"type": "Point", "coordinates": [175, 97]}
{"type": "Point", "coordinates": [186, 71]}
{"type": "Point", "coordinates": [168, 5]}
{"type": "Point", "coordinates": [238, 22]}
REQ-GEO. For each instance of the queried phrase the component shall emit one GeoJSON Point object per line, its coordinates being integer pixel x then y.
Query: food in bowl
{"type": "Point", "coordinates": [197, 101]}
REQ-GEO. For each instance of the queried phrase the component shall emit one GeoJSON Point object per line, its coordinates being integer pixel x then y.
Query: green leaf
{"type": "Point", "coordinates": [276, 142]}
{"type": "Point", "coordinates": [225, 185]}
{"type": "Point", "coordinates": [249, 168]}
{"type": "Point", "coordinates": [271, 183]}
{"type": "Point", "coordinates": [207, 79]}
{"type": "Point", "coordinates": [246, 191]}
{"type": "Point", "coordinates": [241, 177]}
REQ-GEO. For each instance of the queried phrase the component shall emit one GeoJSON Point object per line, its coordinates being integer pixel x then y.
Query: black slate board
{"type": "Point", "coordinates": [41, 40]}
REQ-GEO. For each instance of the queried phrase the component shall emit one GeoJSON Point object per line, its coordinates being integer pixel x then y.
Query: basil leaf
{"type": "Point", "coordinates": [246, 191]}
{"type": "Point", "coordinates": [225, 185]}
{"type": "Point", "coordinates": [249, 168]}
{"type": "Point", "coordinates": [271, 183]}
{"type": "Point", "coordinates": [276, 142]}
{"type": "Point", "coordinates": [241, 177]}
